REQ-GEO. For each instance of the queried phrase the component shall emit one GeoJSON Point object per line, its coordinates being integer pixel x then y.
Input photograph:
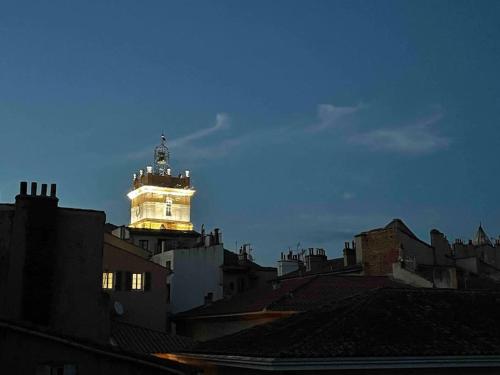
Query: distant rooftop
{"type": "Point", "coordinates": [295, 294]}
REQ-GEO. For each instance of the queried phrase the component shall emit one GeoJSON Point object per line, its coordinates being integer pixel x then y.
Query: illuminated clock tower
{"type": "Point", "coordinates": [158, 199]}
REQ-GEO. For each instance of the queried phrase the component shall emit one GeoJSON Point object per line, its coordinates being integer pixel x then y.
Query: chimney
{"type": "Point", "coordinates": [43, 192]}
{"type": "Point", "coordinates": [349, 255]}
{"type": "Point", "coordinates": [53, 190]}
{"type": "Point", "coordinates": [218, 236]}
{"type": "Point", "coordinates": [315, 260]}
{"type": "Point", "coordinates": [35, 225]}
{"type": "Point", "coordinates": [23, 189]}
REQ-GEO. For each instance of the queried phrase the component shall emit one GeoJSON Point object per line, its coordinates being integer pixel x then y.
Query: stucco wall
{"type": "Point", "coordinates": [411, 278]}
{"type": "Point", "coordinates": [423, 253]}
{"type": "Point", "coordinates": [54, 267]}
{"type": "Point", "coordinates": [196, 272]}
{"type": "Point", "coordinates": [79, 306]}
{"type": "Point", "coordinates": [146, 308]}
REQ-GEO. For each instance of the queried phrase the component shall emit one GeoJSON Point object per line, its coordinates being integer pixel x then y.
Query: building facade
{"type": "Point", "coordinates": [137, 287]}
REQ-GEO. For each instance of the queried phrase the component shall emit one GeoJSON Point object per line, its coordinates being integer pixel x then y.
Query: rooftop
{"type": "Point", "coordinates": [382, 323]}
{"type": "Point", "coordinates": [141, 340]}
{"type": "Point", "coordinates": [296, 294]}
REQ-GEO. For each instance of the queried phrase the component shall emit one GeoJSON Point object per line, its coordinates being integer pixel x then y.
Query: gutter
{"type": "Point", "coordinates": [254, 314]}
{"type": "Point", "coordinates": [333, 363]}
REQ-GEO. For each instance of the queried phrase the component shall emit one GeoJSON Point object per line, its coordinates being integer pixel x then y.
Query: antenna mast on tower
{"type": "Point", "coordinates": [161, 158]}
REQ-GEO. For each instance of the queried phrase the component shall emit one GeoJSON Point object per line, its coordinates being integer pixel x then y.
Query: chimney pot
{"type": "Point", "coordinates": [33, 188]}
{"type": "Point", "coordinates": [43, 192]}
{"type": "Point", "coordinates": [53, 190]}
{"type": "Point", "coordinates": [23, 190]}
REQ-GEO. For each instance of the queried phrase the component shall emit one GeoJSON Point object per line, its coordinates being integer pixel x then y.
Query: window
{"type": "Point", "coordinates": [168, 265]}
{"type": "Point", "coordinates": [107, 280]}
{"type": "Point", "coordinates": [168, 205]}
{"type": "Point", "coordinates": [168, 293]}
{"type": "Point", "coordinates": [144, 244]}
{"type": "Point", "coordinates": [137, 281]}
{"type": "Point", "coordinates": [161, 246]}
{"type": "Point", "coordinates": [241, 285]}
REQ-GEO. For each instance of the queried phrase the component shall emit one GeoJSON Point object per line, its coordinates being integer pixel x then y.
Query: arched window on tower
{"type": "Point", "coordinates": [168, 209]}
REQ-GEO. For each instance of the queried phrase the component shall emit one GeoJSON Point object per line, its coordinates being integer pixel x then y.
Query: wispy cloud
{"type": "Point", "coordinates": [346, 195]}
{"type": "Point", "coordinates": [331, 116]}
{"type": "Point", "coordinates": [417, 138]}
{"type": "Point", "coordinates": [222, 121]}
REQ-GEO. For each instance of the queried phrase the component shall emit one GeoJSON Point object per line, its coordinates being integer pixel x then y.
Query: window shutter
{"type": "Point", "coordinates": [147, 281]}
{"type": "Point", "coordinates": [118, 280]}
{"type": "Point", "coordinates": [128, 280]}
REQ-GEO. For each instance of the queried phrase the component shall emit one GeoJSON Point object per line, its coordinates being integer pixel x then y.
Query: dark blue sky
{"type": "Point", "coordinates": [300, 121]}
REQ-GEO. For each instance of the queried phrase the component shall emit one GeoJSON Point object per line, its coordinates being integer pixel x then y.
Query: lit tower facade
{"type": "Point", "coordinates": [158, 199]}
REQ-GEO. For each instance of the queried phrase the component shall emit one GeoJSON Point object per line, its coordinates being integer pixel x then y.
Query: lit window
{"type": "Point", "coordinates": [107, 280]}
{"type": "Point", "coordinates": [137, 281]}
{"type": "Point", "coordinates": [168, 211]}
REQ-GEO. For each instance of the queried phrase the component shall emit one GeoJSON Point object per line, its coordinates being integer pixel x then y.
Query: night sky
{"type": "Point", "coordinates": [300, 121]}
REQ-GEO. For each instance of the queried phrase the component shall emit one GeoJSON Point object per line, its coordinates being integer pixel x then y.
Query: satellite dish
{"type": "Point", "coordinates": [118, 307]}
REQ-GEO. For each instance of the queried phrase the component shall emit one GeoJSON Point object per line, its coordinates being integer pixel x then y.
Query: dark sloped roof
{"type": "Point", "coordinates": [326, 289]}
{"type": "Point", "coordinates": [231, 260]}
{"type": "Point", "coordinates": [250, 301]}
{"type": "Point", "coordinates": [386, 322]}
{"type": "Point", "coordinates": [32, 331]}
{"type": "Point", "coordinates": [297, 294]}
{"type": "Point", "coordinates": [397, 225]}
{"type": "Point", "coordinates": [481, 238]}
{"type": "Point", "coordinates": [331, 265]}
{"type": "Point", "coordinates": [109, 227]}
{"type": "Point", "coordinates": [141, 340]}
